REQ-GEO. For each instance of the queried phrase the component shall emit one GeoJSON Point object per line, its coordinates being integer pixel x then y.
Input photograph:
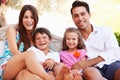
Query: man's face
{"type": "Point", "coordinates": [81, 17]}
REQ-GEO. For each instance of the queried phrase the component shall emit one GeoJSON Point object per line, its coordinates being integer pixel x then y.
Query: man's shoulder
{"type": "Point", "coordinates": [102, 28]}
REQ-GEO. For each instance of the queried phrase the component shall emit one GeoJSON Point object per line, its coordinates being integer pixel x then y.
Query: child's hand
{"type": "Point", "coordinates": [48, 64]}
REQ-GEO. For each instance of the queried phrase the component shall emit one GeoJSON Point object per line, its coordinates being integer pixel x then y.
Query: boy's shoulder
{"type": "Point", "coordinates": [53, 52]}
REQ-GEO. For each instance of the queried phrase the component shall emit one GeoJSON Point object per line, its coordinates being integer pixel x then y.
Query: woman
{"type": "Point", "coordinates": [19, 40]}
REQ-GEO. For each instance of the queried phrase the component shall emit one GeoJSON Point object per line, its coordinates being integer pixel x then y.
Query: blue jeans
{"type": "Point", "coordinates": [108, 71]}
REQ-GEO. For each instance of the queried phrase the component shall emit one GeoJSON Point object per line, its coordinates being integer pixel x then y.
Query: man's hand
{"type": "Point", "coordinates": [81, 64]}
{"type": "Point", "coordinates": [87, 63]}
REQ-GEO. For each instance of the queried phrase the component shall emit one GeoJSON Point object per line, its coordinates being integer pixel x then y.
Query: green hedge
{"type": "Point", "coordinates": [118, 37]}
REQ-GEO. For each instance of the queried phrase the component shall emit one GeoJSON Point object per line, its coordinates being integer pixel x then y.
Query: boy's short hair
{"type": "Point", "coordinates": [42, 30]}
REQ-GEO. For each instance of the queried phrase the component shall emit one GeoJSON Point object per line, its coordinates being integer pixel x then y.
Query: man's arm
{"type": "Point", "coordinates": [95, 61]}
{"type": "Point", "coordinates": [87, 63]}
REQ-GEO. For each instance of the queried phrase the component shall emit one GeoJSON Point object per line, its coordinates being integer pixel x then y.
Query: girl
{"type": "Point", "coordinates": [73, 49]}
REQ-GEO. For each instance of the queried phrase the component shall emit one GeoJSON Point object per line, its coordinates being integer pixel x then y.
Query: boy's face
{"type": "Point", "coordinates": [42, 41]}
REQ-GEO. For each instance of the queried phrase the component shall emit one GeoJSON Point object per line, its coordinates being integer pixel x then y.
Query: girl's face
{"type": "Point", "coordinates": [42, 41]}
{"type": "Point", "coordinates": [28, 20]}
{"type": "Point", "coordinates": [72, 40]}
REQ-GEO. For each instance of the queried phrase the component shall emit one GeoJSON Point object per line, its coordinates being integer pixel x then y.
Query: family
{"type": "Point", "coordinates": [89, 52]}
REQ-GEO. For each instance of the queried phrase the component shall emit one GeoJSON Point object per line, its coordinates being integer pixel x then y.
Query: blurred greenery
{"type": "Point", "coordinates": [118, 37]}
{"type": "Point", "coordinates": [106, 13]}
{"type": "Point", "coordinates": [103, 12]}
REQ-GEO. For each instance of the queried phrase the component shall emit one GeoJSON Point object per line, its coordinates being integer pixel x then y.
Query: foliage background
{"type": "Point", "coordinates": [55, 14]}
{"type": "Point", "coordinates": [118, 37]}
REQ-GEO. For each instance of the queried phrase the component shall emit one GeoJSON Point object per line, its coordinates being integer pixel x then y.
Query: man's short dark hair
{"type": "Point", "coordinates": [78, 3]}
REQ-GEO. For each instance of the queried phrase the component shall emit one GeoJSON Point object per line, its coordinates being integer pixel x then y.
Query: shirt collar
{"type": "Point", "coordinates": [50, 50]}
{"type": "Point", "coordinates": [95, 29]}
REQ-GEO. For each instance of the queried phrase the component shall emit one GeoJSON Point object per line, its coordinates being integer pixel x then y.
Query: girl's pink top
{"type": "Point", "coordinates": [69, 59]}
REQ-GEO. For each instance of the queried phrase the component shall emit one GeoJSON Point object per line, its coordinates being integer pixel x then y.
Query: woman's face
{"type": "Point", "coordinates": [28, 20]}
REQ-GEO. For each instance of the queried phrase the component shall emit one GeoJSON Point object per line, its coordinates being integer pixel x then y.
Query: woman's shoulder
{"type": "Point", "coordinates": [13, 27]}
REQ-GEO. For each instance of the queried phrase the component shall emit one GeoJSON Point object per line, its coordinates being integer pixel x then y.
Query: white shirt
{"type": "Point", "coordinates": [102, 42]}
{"type": "Point", "coordinates": [42, 57]}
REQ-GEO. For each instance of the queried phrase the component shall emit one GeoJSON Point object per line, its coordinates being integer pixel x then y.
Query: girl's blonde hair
{"type": "Point", "coordinates": [80, 45]}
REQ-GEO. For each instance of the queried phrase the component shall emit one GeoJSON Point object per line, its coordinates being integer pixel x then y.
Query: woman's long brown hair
{"type": "Point", "coordinates": [21, 28]}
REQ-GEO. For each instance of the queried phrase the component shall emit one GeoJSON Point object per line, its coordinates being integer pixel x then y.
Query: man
{"type": "Point", "coordinates": [101, 44]}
